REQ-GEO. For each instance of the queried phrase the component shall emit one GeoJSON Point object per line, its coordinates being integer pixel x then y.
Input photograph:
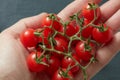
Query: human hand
{"type": "Point", "coordinates": [12, 61]}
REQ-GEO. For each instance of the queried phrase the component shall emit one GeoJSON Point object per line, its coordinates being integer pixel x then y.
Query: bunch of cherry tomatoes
{"type": "Point", "coordinates": [62, 49]}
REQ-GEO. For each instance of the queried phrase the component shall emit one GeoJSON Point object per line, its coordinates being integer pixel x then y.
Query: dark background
{"type": "Point", "coordinates": [13, 10]}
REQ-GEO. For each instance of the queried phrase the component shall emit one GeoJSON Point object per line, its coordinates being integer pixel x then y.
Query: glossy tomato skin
{"type": "Point", "coordinates": [72, 28]}
{"type": "Point", "coordinates": [28, 38]}
{"type": "Point", "coordinates": [67, 61]}
{"type": "Point", "coordinates": [48, 22]}
{"type": "Point", "coordinates": [62, 37]}
{"type": "Point", "coordinates": [87, 32]}
{"type": "Point", "coordinates": [83, 54]}
{"type": "Point", "coordinates": [102, 36]}
{"type": "Point", "coordinates": [73, 44]}
{"type": "Point", "coordinates": [57, 75]}
{"type": "Point", "coordinates": [88, 12]}
{"type": "Point", "coordinates": [59, 56]}
{"type": "Point", "coordinates": [61, 44]}
{"type": "Point", "coordinates": [33, 65]}
{"type": "Point", "coordinates": [54, 63]}
{"type": "Point", "coordinates": [47, 32]}
{"type": "Point", "coordinates": [45, 35]}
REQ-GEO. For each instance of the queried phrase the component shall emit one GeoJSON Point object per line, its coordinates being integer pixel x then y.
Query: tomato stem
{"type": "Point", "coordinates": [84, 73]}
{"type": "Point", "coordinates": [80, 23]}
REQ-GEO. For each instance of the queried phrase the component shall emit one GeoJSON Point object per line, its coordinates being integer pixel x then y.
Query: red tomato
{"type": "Point", "coordinates": [28, 38]}
{"type": "Point", "coordinates": [84, 52]}
{"type": "Point", "coordinates": [59, 56]}
{"type": "Point", "coordinates": [54, 63]}
{"type": "Point", "coordinates": [39, 49]}
{"type": "Point", "coordinates": [71, 28]}
{"type": "Point", "coordinates": [80, 61]}
{"type": "Point", "coordinates": [47, 32]}
{"type": "Point", "coordinates": [62, 37]}
{"type": "Point", "coordinates": [67, 61]}
{"type": "Point", "coordinates": [83, 63]}
{"type": "Point", "coordinates": [88, 11]}
{"type": "Point", "coordinates": [33, 65]}
{"type": "Point", "coordinates": [87, 32]}
{"type": "Point", "coordinates": [55, 23]}
{"type": "Point", "coordinates": [61, 44]}
{"type": "Point", "coordinates": [43, 40]}
{"type": "Point", "coordinates": [45, 35]}
{"type": "Point", "coordinates": [74, 42]}
{"type": "Point", "coordinates": [59, 75]}
{"type": "Point", "coordinates": [61, 29]}
{"type": "Point", "coordinates": [102, 35]}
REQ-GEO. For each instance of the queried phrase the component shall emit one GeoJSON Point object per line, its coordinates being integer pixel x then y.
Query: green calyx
{"type": "Point", "coordinates": [87, 45]}
{"type": "Point", "coordinates": [39, 59]}
{"type": "Point", "coordinates": [93, 6]}
{"type": "Point", "coordinates": [38, 33]}
{"type": "Point", "coordinates": [52, 16]}
{"type": "Point", "coordinates": [102, 28]}
{"type": "Point", "coordinates": [64, 73]}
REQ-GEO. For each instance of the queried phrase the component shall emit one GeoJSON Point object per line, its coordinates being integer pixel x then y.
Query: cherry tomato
{"type": "Point", "coordinates": [54, 63]}
{"type": "Point", "coordinates": [80, 61]}
{"type": "Point", "coordinates": [49, 22]}
{"type": "Point", "coordinates": [83, 63]}
{"type": "Point", "coordinates": [103, 34]}
{"type": "Point", "coordinates": [89, 9]}
{"type": "Point", "coordinates": [61, 44]}
{"type": "Point", "coordinates": [71, 28]}
{"type": "Point", "coordinates": [45, 35]}
{"type": "Point", "coordinates": [68, 61]}
{"type": "Point", "coordinates": [85, 52]}
{"type": "Point", "coordinates": [61, 75]}
{"type": "Point", "coordinates": [61, 29]}
{"type": "Point", "coordinates": [39, 49]}
{"type": "Point", "coordinates": [32, 63]}
{"type": "Point", "coordinates": [87, 32]}
{"type": "Point", "coordinates": [47, 32]}
{"type": "Point", "coordinates": [59, 56]}
{"type": "Point", "coordinates": [62, 37]}
{"type": "Point", "coordinates": [28, 38]}
{"type": "Point", "coordinates": [73, 44]}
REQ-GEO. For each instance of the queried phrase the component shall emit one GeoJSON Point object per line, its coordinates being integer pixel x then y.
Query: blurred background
{"type": "Point", "coordinates": [13, 10]}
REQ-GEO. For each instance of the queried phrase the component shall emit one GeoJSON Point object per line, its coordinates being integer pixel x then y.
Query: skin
{"type": "Point", "coordinates": [13, 54]}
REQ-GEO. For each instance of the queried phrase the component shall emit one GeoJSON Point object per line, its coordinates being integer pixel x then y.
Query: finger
{"type": "Point", "coordinates": [104, 55]}
{"type": "Point", "coordinates": [96, 1]}
{"type": "Point", "coordinates": [72, 8]}
{"type": "Point", "coordinates": [114, 21]}
{"type": "Point", "coordinates": [109, 8]}
{"type": "Point", "coordinates": [23, 24]}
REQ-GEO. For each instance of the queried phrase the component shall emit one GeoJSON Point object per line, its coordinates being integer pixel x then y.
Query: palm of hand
{"type": "Point", "coordinates": [15, 67]}
{"type": "Point", "coordinates": [13, 60]}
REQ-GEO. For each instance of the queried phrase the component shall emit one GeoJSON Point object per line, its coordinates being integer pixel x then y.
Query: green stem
{"type": "Point", "coordinates": [72, 38]}
{"type": "Point", "coordinates": [91, 23]}
{"type": "Point", "coordinates": [53, 50]}
{"type": "Point", "coordinates": [69, 45]}
{"type": "Point", "coordinates": [91, 60]}
{"type": "Point", "coordinates": [84, 73]}
{"type": "Point", "coordinates": [51, 43]}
